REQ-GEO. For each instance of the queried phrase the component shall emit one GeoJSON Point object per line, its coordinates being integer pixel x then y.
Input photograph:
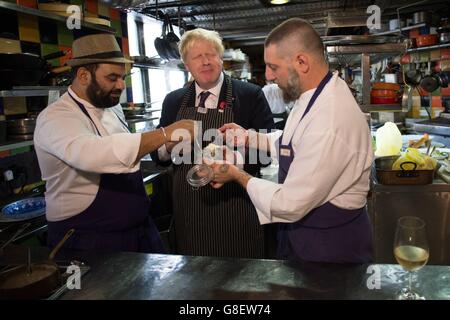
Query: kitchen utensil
{"type": "Point", "coordinates": [33, 282]}
{"type": "Point", "coordinates": [432, 82]}
{"type": "Point", "coordinates": [421, 17]}
{"type": "Point", "coordinates": [173, 40]}
{"type": "Point", "coordinates": [444, 37]}
{"type": "Point", "coordinates": [412, 77]}
{"type": "Point", "coordinates": [25, 69]}
{"type": "Point", "coordinates": [162, 45]}
{"type": "Point", "coordinates": [199, 175]}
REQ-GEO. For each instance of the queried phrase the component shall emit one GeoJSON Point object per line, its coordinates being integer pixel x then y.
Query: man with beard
{"type": "Point", "coordinates": [325, 156]}
{"type": "Point", "coordinates": [91, 161]}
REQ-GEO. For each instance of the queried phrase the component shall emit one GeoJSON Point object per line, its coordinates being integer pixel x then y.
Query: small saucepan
{"type": "Point", "coordinates": [33, 281]}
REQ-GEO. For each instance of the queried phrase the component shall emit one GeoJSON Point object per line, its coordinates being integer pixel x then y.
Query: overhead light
{"type": "Point", "coordinates": [279, 1]}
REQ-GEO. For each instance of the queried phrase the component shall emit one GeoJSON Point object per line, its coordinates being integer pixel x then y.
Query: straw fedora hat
{"type": "Point", "coordinates": [96, 48]}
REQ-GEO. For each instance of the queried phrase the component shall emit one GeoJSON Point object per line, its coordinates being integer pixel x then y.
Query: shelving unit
{"type": "Point", "coordinates": [51, 16]}
{"type": "Point", "coordinates": [437, 46]}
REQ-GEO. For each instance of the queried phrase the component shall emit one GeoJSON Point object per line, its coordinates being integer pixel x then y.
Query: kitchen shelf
{"type": "Point", "coordinates": [15, 145]}
{"type": "Point", "coordinates": [437, 46]}
{"type": "Point", "coordinates": [47, 15]}
{"type": "Point", "coordinates": [32, 91]}
{"type": "Point", "coordinates": [380, 107]}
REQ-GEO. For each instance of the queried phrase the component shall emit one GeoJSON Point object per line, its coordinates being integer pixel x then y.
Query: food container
{"type": "Point", "coordinates": [385, 174]}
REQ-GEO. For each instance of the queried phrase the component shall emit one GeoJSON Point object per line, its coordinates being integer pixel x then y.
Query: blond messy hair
{"type": "Point", "coordinates": [189, 37]}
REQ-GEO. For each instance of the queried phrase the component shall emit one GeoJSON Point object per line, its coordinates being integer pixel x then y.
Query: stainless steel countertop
{"type": "Point", "coordinates": [155, 276]}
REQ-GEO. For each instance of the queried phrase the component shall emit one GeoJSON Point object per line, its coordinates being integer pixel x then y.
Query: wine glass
{"type": "Point", "coordinates": [411, 251]}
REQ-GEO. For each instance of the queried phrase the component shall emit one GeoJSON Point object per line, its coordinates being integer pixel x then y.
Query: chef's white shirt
{"type": "Point", "coordinates": [333, 157]}
{"type": "Point", "coordinates": [72, 156]}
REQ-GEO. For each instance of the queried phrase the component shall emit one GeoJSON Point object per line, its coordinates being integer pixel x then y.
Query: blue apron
{"type": "Point", "coordinates": [117, 220]}
{"type": "Point", "coordinates": [327, 233]}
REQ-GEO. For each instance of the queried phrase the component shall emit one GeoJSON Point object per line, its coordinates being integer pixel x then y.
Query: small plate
{"type": "Point", "coordinates": [23, 210]}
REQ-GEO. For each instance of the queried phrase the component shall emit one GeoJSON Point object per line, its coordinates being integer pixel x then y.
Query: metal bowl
{"type": "Point", "coordinates": [21, 126]}
{"type": "Point", "coordinates": [385, 163]}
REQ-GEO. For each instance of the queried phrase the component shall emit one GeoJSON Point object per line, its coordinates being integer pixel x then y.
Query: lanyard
{"type": "Point", "coordinates": [83, 108]}
{"type": "Point", "coordinates": [317, 93]}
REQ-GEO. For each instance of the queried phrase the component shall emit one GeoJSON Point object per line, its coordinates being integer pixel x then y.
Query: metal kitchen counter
{"type": "Point", "coordinates": [155, 276]}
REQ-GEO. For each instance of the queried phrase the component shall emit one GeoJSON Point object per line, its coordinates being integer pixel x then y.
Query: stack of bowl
{"type": "Point", "coordinates": [384, 93]}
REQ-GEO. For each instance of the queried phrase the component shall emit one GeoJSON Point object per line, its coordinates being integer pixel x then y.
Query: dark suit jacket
{"type": "Point", "coordinates": [250, 110]}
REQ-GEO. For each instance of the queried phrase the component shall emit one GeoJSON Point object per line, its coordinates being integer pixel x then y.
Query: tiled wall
{"type": "Point", "coordinates": [27, 33]}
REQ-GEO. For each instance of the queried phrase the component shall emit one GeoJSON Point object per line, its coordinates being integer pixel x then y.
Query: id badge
{"type": "Point", "coordinates": [202, 110]}
{"type": "Point", "coordinates": [285, 152]}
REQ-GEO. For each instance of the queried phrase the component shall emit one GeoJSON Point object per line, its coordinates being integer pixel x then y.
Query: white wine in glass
{"type": "Point", "coordinates": [411, 251]}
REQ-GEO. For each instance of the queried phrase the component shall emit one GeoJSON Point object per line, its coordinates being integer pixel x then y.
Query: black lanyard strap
{"type": "Point", "coordinates": [83, 108]}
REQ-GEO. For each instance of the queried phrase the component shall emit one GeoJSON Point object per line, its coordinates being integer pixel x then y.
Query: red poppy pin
{"type": "Point", "coordinates": [222, 106]}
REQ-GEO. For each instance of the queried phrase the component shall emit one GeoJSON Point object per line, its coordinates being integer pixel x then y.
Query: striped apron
{"type": "Point", "coordinates": [213, 222]}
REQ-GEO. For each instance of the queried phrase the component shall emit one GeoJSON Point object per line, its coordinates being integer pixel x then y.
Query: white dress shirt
{"type": "Point", "coordinates": [72, 156]}
{"type": "Point", "coordinates": [333, 157]}
{"type": "Point", "coordinates": [211, 102]}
